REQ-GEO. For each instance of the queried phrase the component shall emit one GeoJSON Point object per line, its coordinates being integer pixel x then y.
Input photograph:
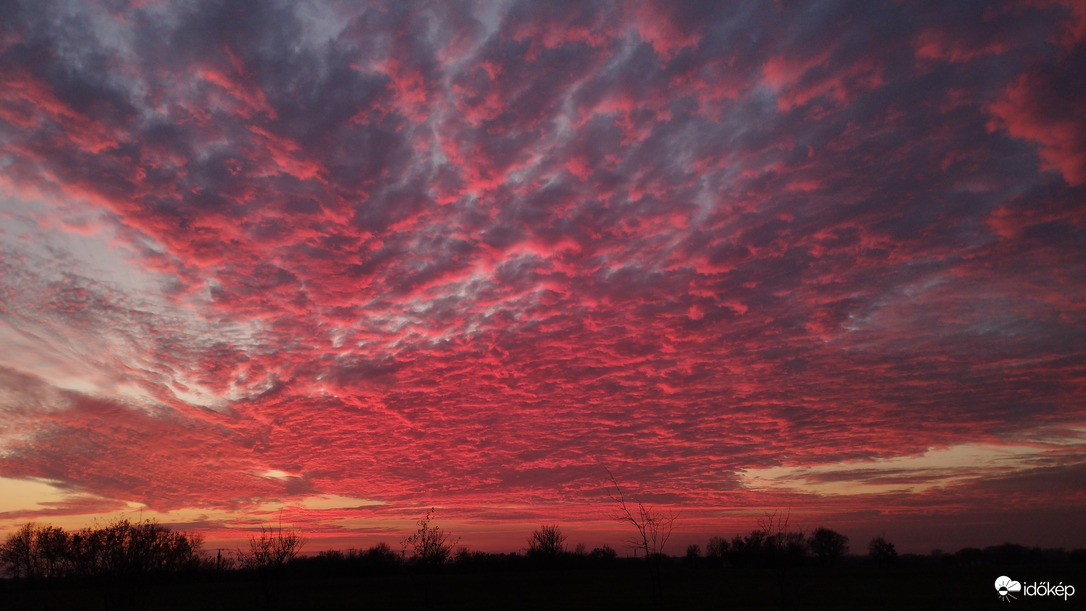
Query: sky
{"type": "Point", "coordinates": [332, 264]}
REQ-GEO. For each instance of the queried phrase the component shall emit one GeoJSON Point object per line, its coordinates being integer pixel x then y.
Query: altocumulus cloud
{"type": "Point", "coordinates": [260, 255]}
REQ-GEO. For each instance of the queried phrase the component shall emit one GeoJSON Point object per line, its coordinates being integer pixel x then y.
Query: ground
{"type": "Point", "coordinates": [619, 586]}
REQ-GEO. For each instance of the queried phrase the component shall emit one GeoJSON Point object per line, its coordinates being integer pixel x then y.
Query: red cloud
{"type": "Point", "coordinates": [1041, 106]}
{"type": "Point", "coordinates": [471, 258]}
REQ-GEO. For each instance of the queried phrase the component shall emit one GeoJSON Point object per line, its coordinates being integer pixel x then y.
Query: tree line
{"type": "Point", "coordinates": [120, 548]}
{"type": "Point", "coordinates": [127, 548]}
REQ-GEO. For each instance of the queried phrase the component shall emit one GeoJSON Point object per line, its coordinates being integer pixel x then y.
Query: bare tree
{"type": "Point", "coordinates": [430, 544]}
{"type": "Point", "coordinates": [272, 549]}
{"type": "Point", "coordinates": [777, 539]}
{"type": "Point", "coordinates": [546, 541]}
{"type": "Point", "coordinates": [653, 527]}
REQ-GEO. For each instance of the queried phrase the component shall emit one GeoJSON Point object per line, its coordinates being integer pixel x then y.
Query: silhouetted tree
{"type": "Point", "coordinates": [653, 531]}
{"type": "Point", "coordinates": [52, 544]}
{"type": "Point", "coordinates": [693, 555]}
{"type": "Point", "coordinates": [653, 528]}
{"type": "Point", "coordinates": [119, 548]}
{"type": "Point", "coordinates": [430, 545]}
{"type": "Point", "coordinates": [882, 551]}
{"type": "Point", "coordinates": [547, 541]}
{"type": "Point", "coordinates": [272, 549]}
{"type": "Point", "coordinates": [19, 554]}
{"type": "Point", "coordinates": [716, 549]}
{"type": "Point", "coordinates": [777, 540]}
{"type": "Point", "coordinates": [124, 547]}
{"type": "Point", "coordinates": [431, 549]}
{"type": "Point", "coordinates": [771, 543]}
{"type": "Point", "coordinates": [827, 545]}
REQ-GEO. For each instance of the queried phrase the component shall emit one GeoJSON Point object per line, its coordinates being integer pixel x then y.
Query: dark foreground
{"type": "Point", "coordinates": [619, 586]}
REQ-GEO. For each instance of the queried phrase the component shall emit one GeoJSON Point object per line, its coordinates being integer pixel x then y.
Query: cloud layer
{"type": "Point", "coordinates": [471, 254]}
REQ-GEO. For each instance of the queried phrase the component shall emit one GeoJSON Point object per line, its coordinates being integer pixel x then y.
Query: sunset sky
{"type": "Point", "coordinates": [335, 263]}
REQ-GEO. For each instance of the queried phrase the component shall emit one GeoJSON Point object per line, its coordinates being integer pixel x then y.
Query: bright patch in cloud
{"type": "Point", "coordinates": [935, 468]}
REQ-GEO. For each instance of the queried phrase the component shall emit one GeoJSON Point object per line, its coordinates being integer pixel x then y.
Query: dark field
{"type": "Point", "coordinates": [624, 585]}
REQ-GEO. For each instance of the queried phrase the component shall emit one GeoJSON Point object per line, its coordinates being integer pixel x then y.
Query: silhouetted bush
{"type": "Point", "coordinates": [381, 558]}
{"type": "Point", "coordinates": [603, 555]}
{"type": "Point", "coordinates": [772, 543]}
{"type": "Point", "coordinates": [477, 561]}
{"type": "Point", "coordinates": [1011, 553]}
